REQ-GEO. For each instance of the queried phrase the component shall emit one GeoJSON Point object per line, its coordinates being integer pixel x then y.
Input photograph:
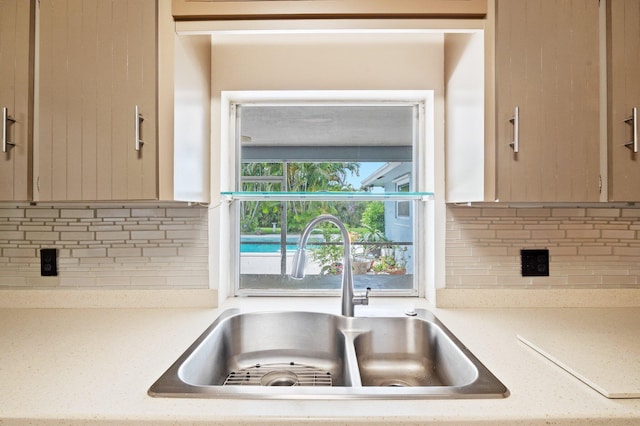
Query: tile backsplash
{"type": "Point", "coordinates": [588, 247]}
{"type": "Point", "coordinates": [166, 246]}
{"type": "Point", "coordinates": [105, 247]}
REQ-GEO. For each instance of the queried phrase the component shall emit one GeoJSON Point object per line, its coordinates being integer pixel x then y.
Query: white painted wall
{"type": "Point", "coordinates": [192, 110]}
{"type": "Point", "coordinates": [312, 62]}
{"type": "Point", "coordinates": [464, 83]}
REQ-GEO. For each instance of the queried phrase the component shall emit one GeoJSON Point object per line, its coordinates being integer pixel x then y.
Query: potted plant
{"type": "Point", "coordinates": [372, 235]}
{"type": "Point", "coordinates": [392, 262]}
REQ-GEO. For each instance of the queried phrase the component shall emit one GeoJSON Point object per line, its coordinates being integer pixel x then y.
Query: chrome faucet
{"type": "Point", "coordinates": [299, 260]}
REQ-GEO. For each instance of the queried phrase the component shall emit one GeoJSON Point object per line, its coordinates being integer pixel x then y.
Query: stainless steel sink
{"type": "Point", "coordinates": [258, 342]}
{"type": "Point", "coordinates": [411, 352]}
{"type": "Point", "coordinates": [318, 355]}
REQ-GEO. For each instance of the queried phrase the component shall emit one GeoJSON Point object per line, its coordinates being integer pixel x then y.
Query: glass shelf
{"type": "Point", "coordinates": [327, 196]}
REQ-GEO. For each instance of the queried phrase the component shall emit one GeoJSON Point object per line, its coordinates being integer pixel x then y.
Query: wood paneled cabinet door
{"type": "Point", "coordinates": [623, 50]}
{"type": "Point", "coordinates": [16, 96]}
{"type": "Point", "coordinates": [547, 100]}
{"type": "Point", "coordinates": [96, 134]}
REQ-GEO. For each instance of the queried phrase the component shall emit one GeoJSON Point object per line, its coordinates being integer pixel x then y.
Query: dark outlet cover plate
{"type": "Point", "coordinates": [535, 263]}
{"type": "Point", "coordinates": [48, 262]}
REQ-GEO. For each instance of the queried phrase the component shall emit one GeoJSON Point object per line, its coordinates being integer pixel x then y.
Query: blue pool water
{"type": "Point", "coordinates": [269, 244]}
{"type": "Point", "coordinates": [265, 244]}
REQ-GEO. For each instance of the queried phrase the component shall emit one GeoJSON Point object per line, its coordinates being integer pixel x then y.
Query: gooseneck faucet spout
{"type": "Point", "coordinates": [299, 260]}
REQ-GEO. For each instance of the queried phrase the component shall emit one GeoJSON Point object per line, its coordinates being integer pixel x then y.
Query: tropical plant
{"type": "Point", "coordinates": [394, 262]}
{"type": "Point", "coordinates": [372, 235]}
{"type": "Point", "coordinates": [254, 214]}
{"type": "Point", "coordinates": [316, 177]}
{"type": "Point", "coordinates": [329, 256]}
{"type": "Point", "coordinates": [373, 216]}
{"type": "Point", "coordinates": [301, 177]}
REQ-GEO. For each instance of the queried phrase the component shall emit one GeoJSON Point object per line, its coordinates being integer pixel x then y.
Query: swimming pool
{"type": "Point", "coordinates": [269, 243]}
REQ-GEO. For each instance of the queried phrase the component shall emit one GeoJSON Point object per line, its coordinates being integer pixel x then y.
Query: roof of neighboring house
{"type": "Point", "coordinates": [381, 176]}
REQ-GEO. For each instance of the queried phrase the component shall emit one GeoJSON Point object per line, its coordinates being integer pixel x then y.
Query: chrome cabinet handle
{"type": "Point", "coordinates": [138, 122]}
{"type": "Point", "coordinates": [516, 130]}
{"type": "Point", "coordinates": [6, 120]}
{"type": "Point", "coordinates": [633, 121]}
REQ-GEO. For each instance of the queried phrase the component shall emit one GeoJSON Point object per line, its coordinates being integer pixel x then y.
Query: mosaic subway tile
{"type": "Point", "coordinates": [105, 247]}
{"type": "Point", "coordinates": [588, 247]}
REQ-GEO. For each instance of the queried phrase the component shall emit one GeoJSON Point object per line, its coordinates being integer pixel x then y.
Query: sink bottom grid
{"type": "Point", "coordinates": [279, 374]}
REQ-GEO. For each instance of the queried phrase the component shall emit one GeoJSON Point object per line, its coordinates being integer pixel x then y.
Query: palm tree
{"type": "Point", "coordinates": [260, 213]}
{"type": "Point", "coordinates": [316, 177]}
{"type": "Point", "coordinates": [301, 177]}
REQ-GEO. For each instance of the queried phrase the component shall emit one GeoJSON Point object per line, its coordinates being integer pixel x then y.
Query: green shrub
{"type": "Point", "coordinates": [373, 215]}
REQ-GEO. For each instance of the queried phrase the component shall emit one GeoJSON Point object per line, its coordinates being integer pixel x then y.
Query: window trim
{"type": "Point", "coordinates": [426, 213]}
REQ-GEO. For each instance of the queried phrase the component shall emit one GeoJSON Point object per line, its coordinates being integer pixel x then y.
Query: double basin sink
{"type": "Point", "coordinates": [321, 356]}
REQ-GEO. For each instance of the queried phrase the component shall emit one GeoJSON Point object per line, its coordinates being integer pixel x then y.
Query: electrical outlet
{"type": "Point", "coordinates": [48, 262]}
{"type": "Point", "coordinates": [535, 263]}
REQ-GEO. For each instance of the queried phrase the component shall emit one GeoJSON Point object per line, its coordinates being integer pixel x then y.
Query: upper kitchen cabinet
{"type": "Point", "coordinates": [547, 100]}
{"type": "Point", "coordinates": [16, 97]}
{"type": "Point", "coordinates": [252, 9]}
{"type": "Point", "coordinates": [623, 50]}
{"type": "Point", "coordinates": [96, 102]}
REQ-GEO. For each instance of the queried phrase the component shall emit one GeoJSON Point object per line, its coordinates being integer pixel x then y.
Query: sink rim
{"type": "Point", "coordinates": [485, 386]}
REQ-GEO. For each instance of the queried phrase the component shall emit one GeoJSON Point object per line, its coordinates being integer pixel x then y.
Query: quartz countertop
{"type": "Point", "coordinates": [586, 351]}
{"type": "Point", "coordinates": [79, 366]}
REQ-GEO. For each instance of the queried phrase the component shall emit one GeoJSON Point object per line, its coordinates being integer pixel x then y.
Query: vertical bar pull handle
{"type": "Point", "coordinates": [138, 122]}
{"type": "Point", "coordinates": [633, 121]}
{"type": "Point", "coordinates": [6, 120]}
{"type": "Point", "coordinates": [516, 130]}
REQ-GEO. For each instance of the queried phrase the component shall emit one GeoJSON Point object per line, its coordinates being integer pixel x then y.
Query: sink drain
{"type": "Point", "coordinates": [279, 378]}
{"type": "Point", "coordinates": [395, 383]}
{"type": "Point", "coordinates": [290, 374]}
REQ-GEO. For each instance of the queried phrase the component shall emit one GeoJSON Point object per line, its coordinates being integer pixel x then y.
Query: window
{"type": "Point", "coordinates": [287, 151]}
{"type": "Point", "coordinates": [403, 208]}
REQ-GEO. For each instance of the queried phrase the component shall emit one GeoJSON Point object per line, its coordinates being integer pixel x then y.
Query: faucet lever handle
{"type": "Point", "coordinates": [362, 300]}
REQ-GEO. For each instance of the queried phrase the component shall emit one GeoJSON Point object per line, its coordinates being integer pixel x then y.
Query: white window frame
{"type": "Point", "coordinates": [425, 220]}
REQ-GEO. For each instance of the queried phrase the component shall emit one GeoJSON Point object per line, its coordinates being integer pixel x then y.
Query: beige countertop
{"type": "Point", "coordinates": [586, 351]}
{"type": "Point", "coordinates": [77, 366]}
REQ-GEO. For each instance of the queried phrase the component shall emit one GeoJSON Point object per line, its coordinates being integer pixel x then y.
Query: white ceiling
{"type": "Point", "coordinates": [328, 125]}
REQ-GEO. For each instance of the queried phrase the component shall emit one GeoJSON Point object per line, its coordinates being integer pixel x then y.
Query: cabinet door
{"type": "Point", "coordinates": [16, 95]}
{"type": "Point", "coordinates": [623, 28]}
{"type": "Point", "coordinates": [547, 67]}
{"type": "Point", "coordinates": [97, 67]}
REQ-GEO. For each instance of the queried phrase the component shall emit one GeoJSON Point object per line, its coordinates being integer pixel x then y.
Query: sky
{"type": "Point", "coordinates": [366, 169]}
